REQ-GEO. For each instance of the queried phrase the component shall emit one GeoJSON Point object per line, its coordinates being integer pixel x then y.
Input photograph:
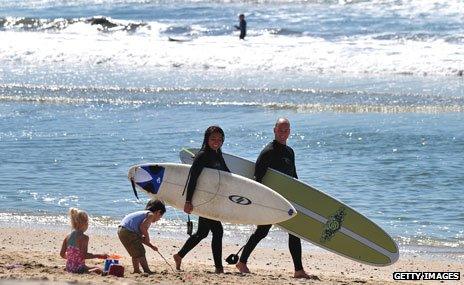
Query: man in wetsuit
{"type": "Point", "coordinates": [276, 155]}
{"type": "Point", "coordinates": [242, 26]}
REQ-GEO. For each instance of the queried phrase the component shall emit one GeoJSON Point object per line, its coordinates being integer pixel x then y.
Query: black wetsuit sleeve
{"type": "Point", "coordinates": [224, 165]}
{"type": "Point", "coordinates": [294, 165]}
{"type": "Point", "coordinates": [195, 170]}
{"type": "Point", "coordinates": [262, 164]}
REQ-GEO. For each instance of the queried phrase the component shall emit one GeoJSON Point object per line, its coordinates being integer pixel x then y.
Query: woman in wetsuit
{"type": "Point", "coordinates": [210, 155]}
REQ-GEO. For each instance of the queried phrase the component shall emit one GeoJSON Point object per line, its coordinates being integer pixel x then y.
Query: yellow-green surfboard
{"type": "Point", "coordinates": [321, 219]}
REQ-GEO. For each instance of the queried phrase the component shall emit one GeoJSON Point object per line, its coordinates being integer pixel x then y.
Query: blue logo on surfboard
{"type": "Point", "coordinates": [150, 178]}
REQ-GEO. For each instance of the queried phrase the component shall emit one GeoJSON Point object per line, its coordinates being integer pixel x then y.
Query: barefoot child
{"type": "Point", "coordinates": [133, 233]}
{"type": "Point", "coordinates": [74, 248]}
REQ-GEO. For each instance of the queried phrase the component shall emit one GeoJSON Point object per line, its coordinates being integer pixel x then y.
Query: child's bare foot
{"type": "Point", "coordinates": [219, 270]}
{"type": "Point", "coordinates": [242, 267]}
{"type": "Point", "coordinates": [302, 274]}
{"type": "Point", "coordinates": [136, 272]}
{"type": "Point", "coordinates": [177, 260]}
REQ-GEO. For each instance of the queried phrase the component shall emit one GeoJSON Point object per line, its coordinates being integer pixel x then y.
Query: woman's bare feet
{"type": "Point", "coordinates": [242, 267]}
{"type": "Point", "coordinates": [302, 274]}
{"type": "Point", "coordinates": [177, 260]}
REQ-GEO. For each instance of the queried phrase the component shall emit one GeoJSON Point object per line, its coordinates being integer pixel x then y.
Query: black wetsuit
{"type": "Point", "coordinates": [242, 29]}
{"type": "Point", "coordinates": [211, 159]}
{"type": "Point", "coordinates": [281, 158]}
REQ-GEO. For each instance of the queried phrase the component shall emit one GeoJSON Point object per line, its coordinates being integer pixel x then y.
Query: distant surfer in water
{"type": "Point", "coordinates": [242, 26]}
{"type": "Point", "coordinates": [210, 155]}
{"type": "Point", "coordinates": [276, 155]}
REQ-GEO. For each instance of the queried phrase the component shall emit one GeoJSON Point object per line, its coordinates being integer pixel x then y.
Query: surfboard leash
{"type": "Point", "coordinates": [187, 181]}
{"type": "Point", "coordinates": [215, 194]}
{"type": "Point", "coordinates": [189, 223]}
{"type": "Point", "coordinates": [233, 258]}
{"type": "Point", "coordinates": [189, 226]}
{"type": "Point", "coordinates": [133, 188]}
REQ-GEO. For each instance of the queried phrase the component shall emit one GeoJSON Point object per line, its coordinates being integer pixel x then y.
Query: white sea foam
{"type": "Point", "coordinates": [82, 46]}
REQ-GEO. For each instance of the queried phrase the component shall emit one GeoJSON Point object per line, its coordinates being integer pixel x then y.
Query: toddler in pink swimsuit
{"type": "Point", "coordinates": [74, 248]}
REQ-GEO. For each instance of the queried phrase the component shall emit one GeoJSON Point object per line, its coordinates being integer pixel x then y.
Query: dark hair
{"type": "Point", "coordinates": [209, 131]}
{"type": "Point", "coordinates": [155, 205]}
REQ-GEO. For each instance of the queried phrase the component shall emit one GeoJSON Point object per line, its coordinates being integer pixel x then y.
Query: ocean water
{"type": "Point", "coordinates": [374, 91]}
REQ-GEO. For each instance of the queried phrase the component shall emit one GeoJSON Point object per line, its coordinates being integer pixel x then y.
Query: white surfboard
{"type": "Point", "coordinates": [219, 195]}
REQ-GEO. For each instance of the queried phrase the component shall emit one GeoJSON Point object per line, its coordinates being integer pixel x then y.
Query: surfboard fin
{"type": "Point", "coordinates": [133, 188]}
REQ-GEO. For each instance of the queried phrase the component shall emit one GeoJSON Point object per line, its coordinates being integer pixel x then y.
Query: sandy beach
{"type": "Point", "coordinates": [32, 255]}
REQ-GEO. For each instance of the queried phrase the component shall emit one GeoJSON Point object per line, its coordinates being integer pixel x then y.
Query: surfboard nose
{"type": "Point", "coordinates": [147, 177]}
